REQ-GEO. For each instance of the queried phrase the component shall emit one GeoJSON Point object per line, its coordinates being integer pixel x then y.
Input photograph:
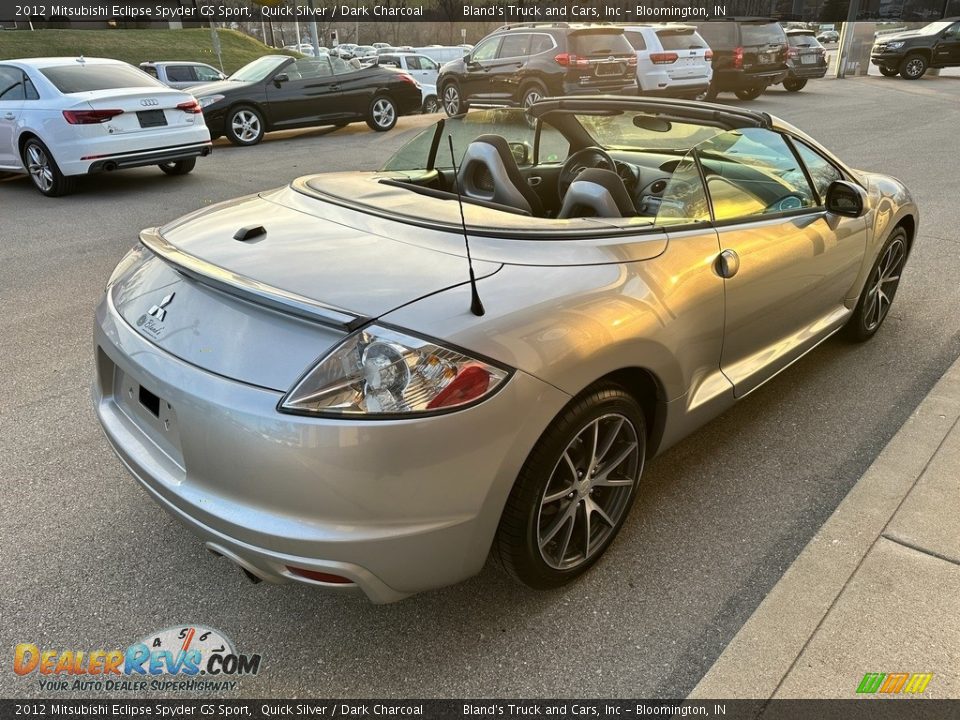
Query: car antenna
{"type": "Point", "coordinates": [476, 307]}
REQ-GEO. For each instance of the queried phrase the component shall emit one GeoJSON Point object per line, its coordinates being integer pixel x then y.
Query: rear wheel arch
{"type": "Point", "coordinates": [647, 389]}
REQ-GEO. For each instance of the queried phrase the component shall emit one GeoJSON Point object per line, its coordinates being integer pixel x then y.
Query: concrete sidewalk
{"type": "Point", "coordinates": [877, 590]}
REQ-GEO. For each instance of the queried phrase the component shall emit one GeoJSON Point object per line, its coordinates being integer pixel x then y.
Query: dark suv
{"type": "Point", "coordinates": [749, 54]}
{"type": "Point", "coordinates": [517, 65]}
{"type": "Point", "coordinates": [910, 53]}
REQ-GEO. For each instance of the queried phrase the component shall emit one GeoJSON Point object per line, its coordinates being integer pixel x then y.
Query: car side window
{"type": "Point", "coordinates": [952, 32]}
{"type": "Point", "coordinates": [822, 172]}
{"type": "Point", "coordinates": [341, 66]}
{"type": "Point", "coordinates": [427, 64]}
{"type": "Point", "coordinates": [752, 172]}
{"type": "Point", "coordinates": [540, 42]}
{"type": "Point", "coordinates": [29, 88]}
{"type": "Point", "coordinates": [180, 73]}
{"type": "Point", "coordinates": [391, 60]}
{"type": "Point", "coordinates": [636, 39]}
{"type": "Point", "coordinates": [514, 46]}
{"type": "Point", "coordinates": [486, 50]}
{"type": "Point", "coordinates": [11, 84]}
{"type": "Point", "coordinates": [413, 62]}
{"type": "Point", "coordinates": [205, 73]}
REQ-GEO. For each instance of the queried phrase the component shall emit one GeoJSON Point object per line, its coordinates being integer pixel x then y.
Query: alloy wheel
{"type": "Point", "coordinates": [884, 284]}
{"type": "Point", "coordinates": [384, 113]}
{"type": "Point", "coordinates": [914, 67]}
{"type": "Point", "coordinates": [533, 96]}
{"type": "Point", "coordinates": [38, 165]}
{"type": "Point", "coordinates": [246, 125]}
{"type": "Point", "coordinates": [588, 491]}
{"type": "Point", "coordinates": [451, 100]}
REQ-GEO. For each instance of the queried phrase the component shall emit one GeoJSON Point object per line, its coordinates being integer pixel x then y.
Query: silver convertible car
{"type": "Point", "coordinates": [371, 381]}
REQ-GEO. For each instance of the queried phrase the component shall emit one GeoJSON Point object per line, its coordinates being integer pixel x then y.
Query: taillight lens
{"type": "Point", "coordinates": [738, 57]}
{"type": "Point", "coordinates": [632, 61]}
{"type": "Point", "coordinates": [407, 78]}
{"type": "Point", "coordinates": [666, 58]}
{"type": "Point", "coordinates": [708, 55]}
{"type": "Point", "coordinates": [191, 107]}
{"type": "Point", "coordinates": [382, 372]}
{"type": "Point", "coordinates": [792, 52]}
{"type": "Point", "coordinates": [90, 117]}
{"type": "Point", "coordinates": [571, 60]}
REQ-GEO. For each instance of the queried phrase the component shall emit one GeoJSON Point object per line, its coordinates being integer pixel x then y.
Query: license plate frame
{"type": "Point", "coordinates": [152, 118]}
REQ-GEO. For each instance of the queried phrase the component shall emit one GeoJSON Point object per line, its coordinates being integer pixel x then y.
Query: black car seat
{"type": "Point", "coordinates": [597, 193]}
{"type": "Point", "coordinates": [489, 172]}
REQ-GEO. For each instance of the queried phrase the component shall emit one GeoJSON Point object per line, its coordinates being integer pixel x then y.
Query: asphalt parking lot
{"type": "Point", "coordinates": [90, 562]}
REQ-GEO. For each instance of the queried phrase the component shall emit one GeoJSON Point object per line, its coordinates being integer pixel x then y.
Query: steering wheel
{"type": "Point", "coordinates": [588, 157]}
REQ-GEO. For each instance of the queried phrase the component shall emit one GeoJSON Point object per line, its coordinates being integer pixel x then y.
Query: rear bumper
{"type": "Point", "coordinates": [79, 155]}
{"type": "Point", "coordinates": [395, 507]}
{"type": "Point", "coordinates": [739, 80]}
{"type": "Point", "coordinates": [808, 72]}
{"type": "Point", "coordinates": [153, 157]}
{"type": "Point", "coordinates": [616, 88]}
{"type": "Point", "coordinates": [684, 89]}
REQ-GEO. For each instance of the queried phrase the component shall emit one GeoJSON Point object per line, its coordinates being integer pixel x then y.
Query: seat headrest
{"type": "Point", "coordinates": [489, 172]}
{"type": "Point", "coordinates": [597, 193]}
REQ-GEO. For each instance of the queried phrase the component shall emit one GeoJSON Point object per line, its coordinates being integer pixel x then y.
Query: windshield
{"type": "Point", "coordinates": [621, 132]}
{"type": "Point", "coordinates": [935, 27]}
{"type": "Point", "coordinates": [259, 69]}
{"type": "Point", "coordinates": [752, 34]}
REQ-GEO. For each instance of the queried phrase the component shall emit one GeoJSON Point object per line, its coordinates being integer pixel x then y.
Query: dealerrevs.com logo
{"type": "Point", "coordinates": [183, 658]}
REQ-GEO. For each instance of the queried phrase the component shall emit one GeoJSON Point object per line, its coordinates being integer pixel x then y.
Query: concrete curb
{"type": "Point", "coordinates": [764, 651]}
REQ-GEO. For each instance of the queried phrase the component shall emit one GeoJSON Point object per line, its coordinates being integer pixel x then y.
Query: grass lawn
{"type": "Point", "coordinates": [135, 46]}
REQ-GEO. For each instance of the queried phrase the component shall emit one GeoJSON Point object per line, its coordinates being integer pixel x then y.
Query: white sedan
{"type": "Point", "coordinates": [64, 117]}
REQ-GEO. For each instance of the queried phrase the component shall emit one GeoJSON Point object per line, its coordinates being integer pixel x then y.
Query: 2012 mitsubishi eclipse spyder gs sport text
{"type": "Point", "coordinates": [305, 378]}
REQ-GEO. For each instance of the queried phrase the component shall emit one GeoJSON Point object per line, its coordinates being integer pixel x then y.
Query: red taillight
{"type": "Point", "coordinates": [738, 57]}
{"type": "Point", "coordinates": [191, 106]}
{"type": "Point", "coordinates": [570, 60]}
{"type": "Point", "coordinates": [708, 55]}
{"type": "Point", "coordinates": [320, 576]}
{"type": "Point", "coordinates": [469, 384]}
{"type": "Point", "coordinates": [663, 58]}
{"type": "Point", "coordinates": [407, 78]}
{"type": "Point", "coordinates": [90, 117]}
{"type": "Point", "coordinates": [632, 61]}
{"type": "Point", "coordinates": [792, 52]}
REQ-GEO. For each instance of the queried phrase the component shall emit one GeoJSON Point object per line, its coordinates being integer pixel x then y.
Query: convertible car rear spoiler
{"type": "Point", "coordinates": [247, 288]}
{"type": "Point", "coordinates": [708, 113]}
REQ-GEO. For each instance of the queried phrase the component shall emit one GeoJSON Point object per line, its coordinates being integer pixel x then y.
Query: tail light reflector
{"type": "Point", "coordinates": [738, 57]}
{"type": "Point", "coordinates": [191, 107]}
{"type": "Point", "coordinates": [708, 55]}
{"type": "Point", "coordinates": [571, 60]}
{"type": "Point", "coordinates": [320, 576]}
{"type": "Point", "coordinates": [663, 58]}
{"type": "Point", "coordinates": [90, 117]}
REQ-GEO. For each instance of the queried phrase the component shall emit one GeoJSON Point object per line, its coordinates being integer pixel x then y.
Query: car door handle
{"type": "Point", "coordinates": [728, 263]}
{"type": "Point", "coordinates": [335, 86]}
{"type": "Point", "coordinates": [534, 181]}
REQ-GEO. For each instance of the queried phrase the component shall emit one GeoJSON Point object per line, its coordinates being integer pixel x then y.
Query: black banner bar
{"type": "Point", "coordinates": [874, 708]}
{"type": "Point", "coordinates": [67, 13]}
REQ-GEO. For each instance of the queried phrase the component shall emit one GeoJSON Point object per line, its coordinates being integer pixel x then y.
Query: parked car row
{"type": "Point", "coordinates": [519, 64]}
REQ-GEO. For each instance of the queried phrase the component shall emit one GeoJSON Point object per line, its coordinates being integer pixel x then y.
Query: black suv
{"type": "Point", "coordinates": [749, 54]}
{"type": "Point", "coordinates": [519, 64]}
{"type": "Point", "coordinates": [910, 53]}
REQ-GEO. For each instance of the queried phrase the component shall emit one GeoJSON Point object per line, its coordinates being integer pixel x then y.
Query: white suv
{"type": "Point", "coordinates": [672, 60]}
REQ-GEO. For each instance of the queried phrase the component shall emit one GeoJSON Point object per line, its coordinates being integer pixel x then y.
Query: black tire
{"type": "Point", "coordinates": [794, 84]}
{"type": "Point", "coordinates": [44, 171]}
{"type": "Point", "coordinates": [244, 126]}
{"type": "Point", "coordinates": [382, 114]}
{"type": "Point", "coordinates": [750, 93]}
{"type": "Point", "coordinates": [914, 66]}
{"type": "Point", "coordinates": [453, 102]}
{"type": "Point", "coordinates": [867, 318]}
{"type": "Point", "coordinates": [888, 72]}
{"type": "Point", "coordinates": [180, 167]}
{"type": "Point", "coordinates": [531, 92]}
{"type": "Point", "coordinates": [533, 525]}
{"type": "Point", "coordinates": [431, 104]}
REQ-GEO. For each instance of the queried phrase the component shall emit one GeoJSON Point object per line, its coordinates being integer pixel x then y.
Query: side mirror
{"type": "Point", "coordinates": [520, 152]}
{"type": "Point", "coordinates": [846, 199]}
{"type": "Point", "coordinates": [222, 76]}
{"type": "Point", "coordinates": [281, 78]}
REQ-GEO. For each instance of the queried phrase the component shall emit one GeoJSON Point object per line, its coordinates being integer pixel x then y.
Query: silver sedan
{"type": "Point", "coordinates": [371, 381]}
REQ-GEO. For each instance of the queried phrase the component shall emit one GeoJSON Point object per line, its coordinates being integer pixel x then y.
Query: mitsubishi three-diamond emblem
{"type": "Point", "coordinates": [158, 310]}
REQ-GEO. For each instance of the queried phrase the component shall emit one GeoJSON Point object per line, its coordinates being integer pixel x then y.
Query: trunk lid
{"type": "Point", "coordinates": [143, 109]}
{"type": "Point", "coordinates": [247, 312]}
